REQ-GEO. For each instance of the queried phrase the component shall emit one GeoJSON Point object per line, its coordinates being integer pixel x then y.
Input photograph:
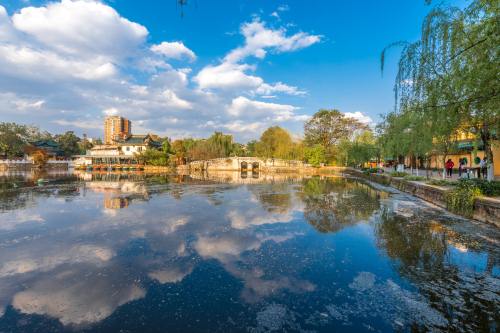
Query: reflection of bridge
{"type": "Point", "coordinates": [246, 164]}
{"type": "Point", "coordinates": [242, 177]}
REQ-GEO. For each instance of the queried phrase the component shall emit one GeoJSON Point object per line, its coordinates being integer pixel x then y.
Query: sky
{"type": "Point", "coordinates": [236, 66]}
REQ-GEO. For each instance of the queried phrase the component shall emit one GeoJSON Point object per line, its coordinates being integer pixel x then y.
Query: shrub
{"type": "Point", "coordinates": [461, 199]}
{"type": "Point", "coordinates": [367, 171]}
{"type": "Point", "coordinates": [488, 188]}
{"type": "Point", "coordinates": [398, 174]}
{"type": "Point", "coordinates": [415, 178]}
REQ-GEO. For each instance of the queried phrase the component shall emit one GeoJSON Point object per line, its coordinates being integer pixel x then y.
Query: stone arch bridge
{"type": "Point", "coordinates": [251, 164]}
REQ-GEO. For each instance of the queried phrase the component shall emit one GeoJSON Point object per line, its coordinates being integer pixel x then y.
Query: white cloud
{"type": "Point", "coordinates": [283, 8]}
{"type": "Point", "coordinates": [258, 38]}
{"type": "Point", "coordinates": [60, 71]}
{"type": "Point", "coordinates": [111, 112]}
{"type": "Point", "coordinates": [174, 50]}
{"type": "Point", "coordinates": [79, 123]}
{"type": "Point", "coordinates": [268, 89]}
{"type": "Point", "coordinates": [81, 28]}
{"type": "Point", "coordinates": [228, 76]}
{"type": "Point", "coordinates": [244, 107]}
{"type": "Point", "coordinates": [232, 74]}
{"type": "Point", "coordinates": [173, 100]}
{"type": "Point", "coordinates": [363, 118]}
{"type": "Point", "coordinates": [237, 126]}
{"type": "Point", "coordinates": [22, 105]}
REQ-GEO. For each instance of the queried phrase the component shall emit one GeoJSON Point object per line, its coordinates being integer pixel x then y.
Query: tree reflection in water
{"type": "Point", "coordinates": [423, 251]}
{"type": "Point", "coordinates": [332, 204]}
{"type": "Point", "coordinates": [277, 199]}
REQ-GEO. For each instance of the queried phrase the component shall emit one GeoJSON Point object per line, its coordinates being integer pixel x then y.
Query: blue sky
{"type": "Point", "coordinates": [236, 66]}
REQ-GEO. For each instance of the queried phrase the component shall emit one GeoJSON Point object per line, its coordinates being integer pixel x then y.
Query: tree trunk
{"type": "Point", "coordinates": [428, 162]}
{"type": "Point", "coordinates": [486, 138]}
{"type": "Point", "coordinates": [444, 166]}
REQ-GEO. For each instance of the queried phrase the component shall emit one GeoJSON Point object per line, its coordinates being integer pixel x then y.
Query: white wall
{"type": "Point", "coordinates": [130, 150]}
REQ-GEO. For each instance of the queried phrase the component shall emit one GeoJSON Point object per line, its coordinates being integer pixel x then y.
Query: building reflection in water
{"type": "Point", "coordinates": [119, 189]}
{"type": "Point", "coordinates": [116, 202]}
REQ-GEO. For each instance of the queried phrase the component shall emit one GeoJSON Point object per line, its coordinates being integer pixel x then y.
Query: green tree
{"type": "Point", "coordinates": [251, 149]}
{"type": "Point", "coordinates": [315, 155]}
{"type": "Point", "coordinates": [14, 137]}
{"type": "Point", "coordinates": [69, 143]}
{"type": "Point", "coordinates": [328, 128]}
{"type": "Point", "coordinates": [275, 142]}
{"type": "Point", "coordinates": [451, 73]}
{"type": "Point", "coordinates": [363, 148]}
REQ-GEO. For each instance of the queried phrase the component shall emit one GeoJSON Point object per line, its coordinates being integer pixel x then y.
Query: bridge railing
{"type": "Point", "coordinates": [266, 161]}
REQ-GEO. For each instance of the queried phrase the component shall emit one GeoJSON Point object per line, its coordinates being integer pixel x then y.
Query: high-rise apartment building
{"type": "Point", "coordinates": [116, 128]}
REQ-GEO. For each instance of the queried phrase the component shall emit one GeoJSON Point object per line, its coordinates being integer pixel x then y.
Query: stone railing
{"type": "Point", "coordinates": [15, 162]}
{"type": "Point", "coordinates": [27, 164]}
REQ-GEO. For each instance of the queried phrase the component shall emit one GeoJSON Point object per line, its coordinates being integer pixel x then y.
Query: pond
{"type": "Point", "coordinates": [238, 253]}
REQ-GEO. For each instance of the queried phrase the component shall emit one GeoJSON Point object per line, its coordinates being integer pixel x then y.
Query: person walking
{"type": "Point", "coordinates": [484, 167]}
{"type": "Point", "coordinates": [460, 167]}
{"type": "Point", "coordinates": [449, 167]}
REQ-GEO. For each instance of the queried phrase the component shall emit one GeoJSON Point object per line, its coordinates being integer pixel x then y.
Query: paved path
{"type": "Point", "coordinates": [433, 174]}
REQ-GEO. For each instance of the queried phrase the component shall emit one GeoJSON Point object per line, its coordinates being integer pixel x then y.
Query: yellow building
{"type": "Point", "coordinates": [466, 149]}
{"type": "Point", "coordinates": [116, 128]}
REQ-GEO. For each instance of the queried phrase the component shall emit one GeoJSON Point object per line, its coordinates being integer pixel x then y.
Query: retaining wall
{"type": "Point", "coordinates": [485, 209]}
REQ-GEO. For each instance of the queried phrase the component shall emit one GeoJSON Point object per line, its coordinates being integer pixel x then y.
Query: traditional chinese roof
{"type": "Point", "coordinates": [139, 140]}
{"type": "Point", "coordinates": [45, 144]}
{"type": "Point", "coordinates": [50, 146]}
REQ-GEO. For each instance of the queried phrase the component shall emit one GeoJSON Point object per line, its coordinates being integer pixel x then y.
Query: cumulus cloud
{"type": "Point", "coordinates": [232, 73]}
{"type": "Point", "coordinates": [175, 50]}
{"type": "Point", "coordinates": [76, 27]}
{"type": "Point", "coordinates": [242, 106]}
{"type": "Point", "coordinates": [59, 70]}
{"type": "Point", "coordinates": [361, 117]}
{"type": "Point", "coordinates": [259, 39]}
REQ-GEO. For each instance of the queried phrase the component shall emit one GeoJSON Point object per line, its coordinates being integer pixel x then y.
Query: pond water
{"type": "Point", "coordinates": [238, 253]}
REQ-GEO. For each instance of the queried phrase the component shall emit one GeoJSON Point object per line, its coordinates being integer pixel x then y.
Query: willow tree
{"type": "Point", "coordinates": [450, 75]}
{"type": "Point", "coordinates": [406, 133]}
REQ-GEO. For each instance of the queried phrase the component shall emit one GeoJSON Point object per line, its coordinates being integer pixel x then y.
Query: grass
{"type": "Point", "coordinates": [414, 178]}
{"type": "Point", "coordinates": [399, 174]}
{"type": "Point", "coordinates": [442, 182]}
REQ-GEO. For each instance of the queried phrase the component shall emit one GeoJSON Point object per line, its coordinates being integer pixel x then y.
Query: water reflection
{"type": "Point", "coordinates": [426, 252]}
{"type": "Point", "coordinates": [334, 203]}
{"type": "Point", "coordinates": [224, 253]}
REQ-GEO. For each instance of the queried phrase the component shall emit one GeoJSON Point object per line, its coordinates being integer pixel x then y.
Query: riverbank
{"type": "Point", "coordinates": [485, 209]}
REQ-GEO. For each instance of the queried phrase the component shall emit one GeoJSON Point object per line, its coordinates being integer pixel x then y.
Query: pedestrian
{"type": "Point", "coordinates": [484, 167]}
{"type": "Point", "coordinates": [460, 165]}
{"type": "Point", "coordinates": [449, 167]}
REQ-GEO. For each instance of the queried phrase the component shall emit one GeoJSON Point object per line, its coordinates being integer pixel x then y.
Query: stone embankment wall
{"type": "Point", "coordinates": [153, 168]}
{"type": "Point", "coordinates": [485, 209]}
{"type": "Point", "coordinates": [27, 165]}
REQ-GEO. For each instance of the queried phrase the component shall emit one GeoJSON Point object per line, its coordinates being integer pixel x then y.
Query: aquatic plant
{"type": "Point", "coordinates": [461, 199]}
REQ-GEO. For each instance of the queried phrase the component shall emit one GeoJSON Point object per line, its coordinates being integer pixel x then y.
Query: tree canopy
{"type": "Point", "coordinates": [447, 81]}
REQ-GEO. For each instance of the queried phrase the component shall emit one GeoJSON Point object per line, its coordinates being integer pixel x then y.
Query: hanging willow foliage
{"type": "Point", "coordinates": [450, 76]}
